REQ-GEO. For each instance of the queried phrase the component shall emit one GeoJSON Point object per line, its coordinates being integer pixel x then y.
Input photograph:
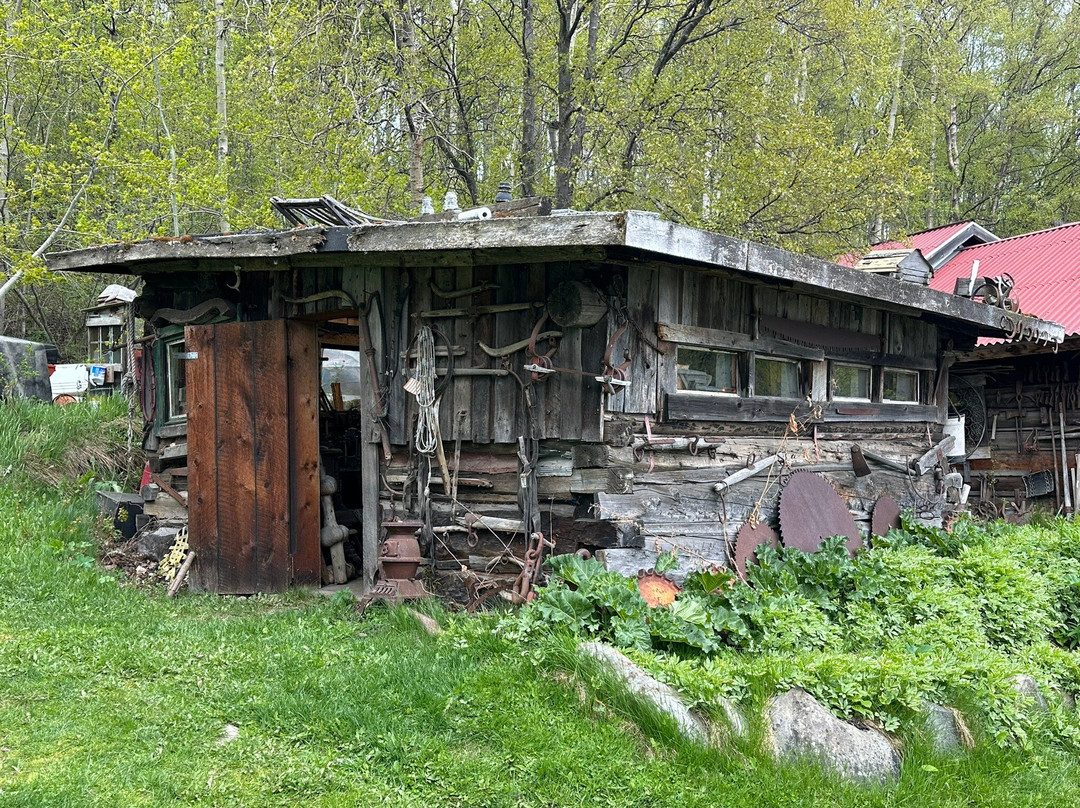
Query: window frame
{"type": "Point", "coordinates": [174, 347]}
{"type": "Point", "coordinates": [905, 371]}
{"type": "Point", "coordinates": [800, 376]}
{"type": "Point", "coordinates": [736, 358]}
{"type": "Point", "coordinates": [834, 364]}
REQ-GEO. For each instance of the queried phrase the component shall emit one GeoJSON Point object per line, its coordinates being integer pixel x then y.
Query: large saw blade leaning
{"type": "Point", "coordinates": [886, 516]}
{"type": "Point", "coordinates": [749, 538]}
{"type": "Point", "coordinates": [811, 510]}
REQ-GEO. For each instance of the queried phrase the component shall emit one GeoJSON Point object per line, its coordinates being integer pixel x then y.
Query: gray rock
{"type": "Point", "coordinates": [1028, 688]}
{"type": "Point", "coordinates": [733, 715]}
{"type": "Point", "coordinates": [1065, 699]}
{"type": "Point", "coordinates": [156, 543]}
{"type": "Point", "coordinates": [664, 698]}
{"type": "Point", "coordinates": [944, 728]}
{"type": "Point", "coordinates": [802, 728]}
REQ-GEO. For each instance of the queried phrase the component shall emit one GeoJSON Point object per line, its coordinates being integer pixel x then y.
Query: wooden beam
{"type": "Point", "coordinates": [715, 338]}
{"type": "Point", "coordinates": [260, 245]}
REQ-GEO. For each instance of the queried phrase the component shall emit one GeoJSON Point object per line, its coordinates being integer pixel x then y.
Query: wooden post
{"type": "Point", "coordinates": [1064, 465]}
{"type": "Point", "coordinates": [369, 464]}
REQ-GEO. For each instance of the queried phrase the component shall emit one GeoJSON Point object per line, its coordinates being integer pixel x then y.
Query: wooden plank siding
{"type": "Point", "coordinates": [303, 466]}
{"type": "Point", "coordinates": [252, 432]}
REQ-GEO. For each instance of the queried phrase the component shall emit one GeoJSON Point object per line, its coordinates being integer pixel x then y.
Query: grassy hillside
{"type": "Point", "coordinates": [112, 695]}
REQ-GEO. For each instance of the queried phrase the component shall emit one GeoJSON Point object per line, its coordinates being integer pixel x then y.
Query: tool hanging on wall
{"type": "Point", "coordinates": [540, 365]}
{"type": "Point", "coordinates": [614, 377]}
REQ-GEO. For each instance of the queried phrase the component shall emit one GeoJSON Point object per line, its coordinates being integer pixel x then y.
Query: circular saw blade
{"type": "Point", "coordinates": [657, 589]}
{"type": "Point", "coordinates": [811, 510]}
{"type": "Point", "coordinates": [748, 539]}
{"type": "Point", "coordinates": [886, 516]}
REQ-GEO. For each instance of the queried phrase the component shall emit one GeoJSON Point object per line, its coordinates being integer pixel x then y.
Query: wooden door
{"type": "Point", "coordinates": [253, 455]}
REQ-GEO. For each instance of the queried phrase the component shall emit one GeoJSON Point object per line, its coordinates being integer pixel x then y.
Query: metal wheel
{"type": "Point", "coordinates": [966, 399]}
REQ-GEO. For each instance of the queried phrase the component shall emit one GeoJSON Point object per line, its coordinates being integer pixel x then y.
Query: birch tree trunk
{"type": "Point", "coordinates": [222, 107]}
{"type": "Point", "coordinates": [890, 134]}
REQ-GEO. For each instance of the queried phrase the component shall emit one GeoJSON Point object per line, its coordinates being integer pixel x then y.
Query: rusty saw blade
{"type": "Point", "coordinates": [886, 516]}
{"type": "Point", "coordinates": [748, 539]}
{"type": "Point", "coordinates": [811, 510]}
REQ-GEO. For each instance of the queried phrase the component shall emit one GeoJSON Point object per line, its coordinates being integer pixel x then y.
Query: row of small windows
{"type": "Point", "coordinates": [707, 371]}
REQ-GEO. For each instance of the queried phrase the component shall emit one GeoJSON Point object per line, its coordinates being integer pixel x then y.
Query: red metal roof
{"type": "Point", "coordinates": [1045, 266]}
{"type": "Point", "coordinates": [925, 241]}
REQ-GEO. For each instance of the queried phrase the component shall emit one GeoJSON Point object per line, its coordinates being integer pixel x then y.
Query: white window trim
{"type": "Point", "coordinates": [170, 403]}
{"type": "Point", "coordinates": [735, 355]}
{"type": "Point", "coordinates": [906, 371]}
{"type": "Point", "coordinates": [869, 368]}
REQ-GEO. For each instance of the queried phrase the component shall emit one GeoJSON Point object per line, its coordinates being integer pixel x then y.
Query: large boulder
{"type": "Point", "coordinates": [802, 728]}
{"type": "Point", "coordinates": [664, 698]}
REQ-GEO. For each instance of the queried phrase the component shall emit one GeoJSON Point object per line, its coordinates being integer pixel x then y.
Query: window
{"type": "Point", "coordinates": [104, 343]}
{"type": "Point", "coordinates": [850, 382]}
{"type": "Point", "coordinates": [707, 371]}
{"type": "Point", "coordinates": [176, 405]}
{"type": "Point", "coordinates": [900, 385]}
{"type": "Point", "coordinates": [777, 378]}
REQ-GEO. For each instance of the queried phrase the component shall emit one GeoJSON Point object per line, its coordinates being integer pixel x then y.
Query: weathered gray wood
{"type": "Point", "coordinates": [691, 554]}
{"type": "Point", "coordinates": [713, 338]}
{"type": "Point", "coordinates": [181, 575]}
{"type": "Point", "coordinates": [609, 480]}
{"type": "Point", "coordinates": [745, 474]}
{"type": "Point", "coordinates": [572, 304]}
{"type": "Point", "coordinates": [935, 456]}
{"type": "Point", "coordinates": [260, 245]}
{"type": "Point", "coordinates": [556, 231]}
{"type": "Point", "coordinates": [370, 483]}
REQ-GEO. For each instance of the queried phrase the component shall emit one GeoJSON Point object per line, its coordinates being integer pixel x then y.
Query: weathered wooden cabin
{"type": "Point", "coordinates": [591, 377]}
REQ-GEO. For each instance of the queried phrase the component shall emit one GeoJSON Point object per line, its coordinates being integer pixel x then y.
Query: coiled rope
{"type": "Point", "coordinates": [427, 425]}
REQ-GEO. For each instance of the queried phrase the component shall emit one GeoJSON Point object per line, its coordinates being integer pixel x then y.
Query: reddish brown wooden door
{"type": "Point", "coordinates": [253, 454]}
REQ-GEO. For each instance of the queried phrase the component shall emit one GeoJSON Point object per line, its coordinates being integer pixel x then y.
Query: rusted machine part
{"type": "Point", "coordinates": [530, 573]}
{"type": "Point", "coordinates": [748, 540]}
{"type": "Point", "coordinates": [886, 516]}
{"type": "Point", "coordinates": [540, 360]}
{"type": "Point", "coordinates": [811, 510]}
{"type": "Point", "coordinates": [617, 373]}
{"type": "Point", "coordinates": [657, 590]}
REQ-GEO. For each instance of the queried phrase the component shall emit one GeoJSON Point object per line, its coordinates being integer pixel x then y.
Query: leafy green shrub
{"type": "Point", "coordinates": [924, 614]}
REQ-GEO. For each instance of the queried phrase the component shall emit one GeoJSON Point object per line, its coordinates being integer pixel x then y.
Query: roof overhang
{"type": "Point", "coordinates": [628, 235]}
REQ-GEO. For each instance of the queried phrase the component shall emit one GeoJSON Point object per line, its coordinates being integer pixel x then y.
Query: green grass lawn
{"type": "Point", "coordinates": [111, 695]}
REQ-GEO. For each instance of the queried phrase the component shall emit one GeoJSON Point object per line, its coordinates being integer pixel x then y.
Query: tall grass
{"type": "Point", "coordinates": [113, 695]}
{"type": "Point", "coordinates": [51, 444]}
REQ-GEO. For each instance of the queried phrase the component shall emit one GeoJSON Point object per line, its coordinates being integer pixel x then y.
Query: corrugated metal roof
{"type": "Point", "coordinates": [925, 241]}
{"type": "Point", "coordinates": [1044, 264]}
